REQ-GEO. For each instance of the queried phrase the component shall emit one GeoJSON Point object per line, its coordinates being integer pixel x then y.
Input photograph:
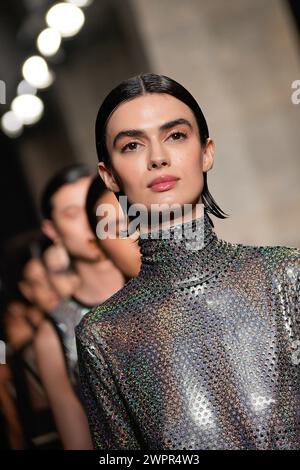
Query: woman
{"type": "Point", "coordinates": [123, 252]}
{"type": "Point", "coordinates": [99, 275]}
{"type": "Point", "coordinates": [199, 351]}
{"type": "Point", "coordinates": [21, 322]}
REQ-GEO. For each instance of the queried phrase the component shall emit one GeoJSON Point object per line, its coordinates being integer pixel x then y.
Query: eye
{"type": "Point", "coordinates": [72, 213]}
{"type": "Point", "coordinates": [178, 135]}
{"type": "Point", "coordinates": [131, 146]}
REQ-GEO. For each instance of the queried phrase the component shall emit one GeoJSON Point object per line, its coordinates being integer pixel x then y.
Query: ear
{"type": "Point", "coordinates": [25, 290]}
{"type": "Point", "coordinates": [48, 228]}
{"type": "Point", "coordinates": [208, 155]}
{"type": "Point", "coordinates": [108, 178]}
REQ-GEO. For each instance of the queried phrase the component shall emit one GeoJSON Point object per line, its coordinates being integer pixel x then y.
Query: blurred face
{"type": "Point", "coordinates": [69, 224]}
{"type": "Point", "coordinates": [115, 214]}
{"type": "Point", "coordinates": [151, 136]}
{"type": "Point", "coordinates": [36, 287]}
{"type": "Point", "coordinates": [16, 310]}
{"type": "Point", "coordinates": [61, 278]}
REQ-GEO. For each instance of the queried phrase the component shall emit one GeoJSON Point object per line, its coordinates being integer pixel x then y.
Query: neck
{"type": "Point", "coordinates": [195, 211]}
{"type": "Point", "coordinates": [89, 280]}
{"type": "Point", "coordinates": [181, 253]}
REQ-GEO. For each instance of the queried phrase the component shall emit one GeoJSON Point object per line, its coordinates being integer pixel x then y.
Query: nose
{"type": "Point", "coordinates": [158, 158]}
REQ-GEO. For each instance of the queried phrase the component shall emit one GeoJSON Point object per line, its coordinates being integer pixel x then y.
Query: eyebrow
{"type": "Point", "coordinates": [141, 133]}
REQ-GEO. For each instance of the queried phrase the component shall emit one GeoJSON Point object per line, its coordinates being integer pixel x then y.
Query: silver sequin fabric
{"type": "Point", "coordinates": [67, 316]}
{"type": "Point", "coordinates": [200, 351]}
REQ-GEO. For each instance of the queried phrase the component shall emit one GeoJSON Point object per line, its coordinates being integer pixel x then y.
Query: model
{"type": "Point", "coordinates": [201, 349]}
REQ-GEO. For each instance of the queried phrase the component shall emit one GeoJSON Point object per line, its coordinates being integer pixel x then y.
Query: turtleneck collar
{"type": "Point", "coordinates": [184, 253]}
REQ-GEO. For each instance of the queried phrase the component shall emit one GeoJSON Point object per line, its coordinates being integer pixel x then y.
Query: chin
{"type": "Point", "coordinates": [92, 257]}
{"type": "Point", "coordinates": [160, 198]}
{"type": "Point", "coordinates": [170, 199]}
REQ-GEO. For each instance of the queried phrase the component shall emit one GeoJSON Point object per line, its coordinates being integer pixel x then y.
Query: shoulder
{"type": "Point", "coordinates": [65, 306]}
{"type": "Point", "coordinates": [280, 257]}
{"type": "Point", "coordinates": [45, 336]}
{"type": "Point", "coordinates": [277, 261]}
{"type": "Point", "coordinates": [286, 262]}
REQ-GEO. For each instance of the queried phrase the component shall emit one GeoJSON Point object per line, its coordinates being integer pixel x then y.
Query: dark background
{"type": "Point", "coordinates": [110, 31]}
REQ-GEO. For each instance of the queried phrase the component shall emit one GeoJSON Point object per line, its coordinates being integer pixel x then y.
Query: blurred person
{"type": "Point", "coordinates": [29, 294]}
{"type": "Point", "coordinates": [11, 434]}
{"type": "Point", "coordinates": [34, 282]}
{"type": "Point", "coordinates": [101, 273]}
{"type": "Point", "coordinates": [201, 349]}
{"type": "Point", "coordinates": [18, 330]}
{"type": "Point", "coordinates": [124, 252]}
{"type": "Point", "coordinates": [65, 222]}
{"type": "Point", "coordinates": [21, 321]}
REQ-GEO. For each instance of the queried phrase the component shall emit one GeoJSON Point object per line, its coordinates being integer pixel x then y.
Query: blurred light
{"type": "Point", "coordinates": [35, 71]}
{"type": "Point", "coordinates": [81, 3]}
{"type": "Point", "coordinates": [11, 124]}
{"type": "Point", "coordinates": [24, 88]}
{"type": "Point", "coordinates": [66, 18]}
{"type": "Point", "coordinates": [28, 108]}
{"type": "Point", "coordinates": [48, 41]}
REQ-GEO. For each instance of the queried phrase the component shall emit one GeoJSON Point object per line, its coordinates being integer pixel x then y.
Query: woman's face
{"type": "Point", "coordinates": [69, 224]}
{"type": "Point", "coordinates": [36, 287]}
{"type": "Point", "coordinates": [150, 136]}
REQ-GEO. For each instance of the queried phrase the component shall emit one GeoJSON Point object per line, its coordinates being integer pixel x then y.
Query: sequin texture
{"type": "Point", "coordinates": [200, 351]}
{"type": "Point", "coordinates": [67, 316]}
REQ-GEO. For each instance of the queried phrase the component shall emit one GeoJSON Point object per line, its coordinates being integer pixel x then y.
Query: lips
{"type": "Point", "coordinates": [163, 183]}
{"type": "Point", "coordinates": [162, 179]}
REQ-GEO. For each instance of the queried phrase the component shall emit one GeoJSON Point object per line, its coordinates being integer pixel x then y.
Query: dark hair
{"type": "Point", "coordinates": [68, 175]}
{"type": "Point", "coordinates": [18, 252]}
{"type": "Point", "coordinates": [96, 190]}
{"type": "Point", "coordinates": [138, 86]}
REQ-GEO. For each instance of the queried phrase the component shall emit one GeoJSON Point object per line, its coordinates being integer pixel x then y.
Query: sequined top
{"type": "Point", "coordinates": [200, 351]}
{"type": "Point", "coordinates": [67, 316]}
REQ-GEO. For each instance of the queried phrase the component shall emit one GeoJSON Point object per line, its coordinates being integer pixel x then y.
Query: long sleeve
{"type": "Point", "coordinates": [110, 423]}
{"type": "Point", "coordinates": [296, 342]}
{"type": "Point", "coordinates": [286, 282]}
{"type": "Point", "coordinates": [292, 276]}
{"type": "Point", "coordinates": [200, 351]}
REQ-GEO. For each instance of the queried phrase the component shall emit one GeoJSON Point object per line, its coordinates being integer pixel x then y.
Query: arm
{"type": "Point", "coordinates": [286, 281]}
{"type": "Point", "coordinates": [68, 412]}
{"type": "Point", "coordinates": [9, 410]}
{"type": "Point", "coordinates": [291, 281]}
{"type": "Point", "coordinates": [110, 422]}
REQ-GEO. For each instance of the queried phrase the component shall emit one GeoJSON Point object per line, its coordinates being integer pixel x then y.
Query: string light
{"type": "Point", "coordinates": [66, 18]}
{"type": "Point", "coordinates": [28, 108]}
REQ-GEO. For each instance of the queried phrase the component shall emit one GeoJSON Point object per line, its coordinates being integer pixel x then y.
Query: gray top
{"type": "Point", "coordinates": [67, 316]}
{"type": "Point", "coordinates": [200, 351]}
